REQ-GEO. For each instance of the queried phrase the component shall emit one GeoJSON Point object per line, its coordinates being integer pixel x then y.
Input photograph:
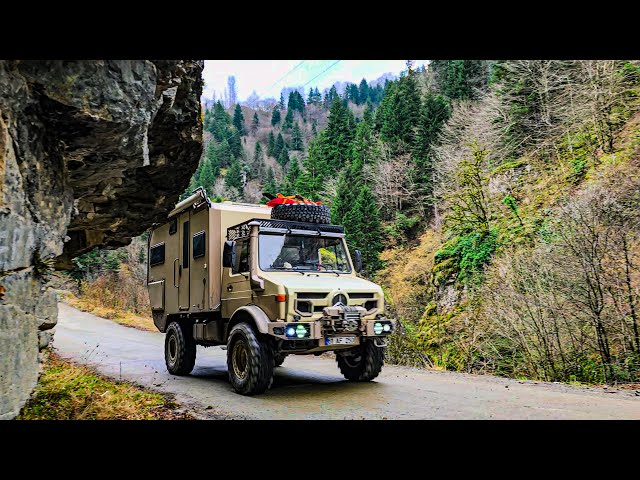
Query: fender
{"type": "Point", "coordinates": [258, 316]}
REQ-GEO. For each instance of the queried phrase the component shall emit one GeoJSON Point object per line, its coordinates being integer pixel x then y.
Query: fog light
{"type": "Point", "coordinates": [291, 332]}
{"type": "Point", "coordinates": [387, 328]}
{"type": "Point", "coordinates": [377, 328]}
{"type": "Point", "coordinates": [278, 330]}
{"type": "Point", "coordinates": [301, 331]}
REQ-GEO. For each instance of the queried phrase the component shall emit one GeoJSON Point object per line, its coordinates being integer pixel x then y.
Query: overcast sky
{"type": "Point", "coordinates": [268, 77]}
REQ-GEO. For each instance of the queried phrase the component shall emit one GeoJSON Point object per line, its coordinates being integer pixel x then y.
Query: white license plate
{"type": "Point", "coordinates": [340, 341]}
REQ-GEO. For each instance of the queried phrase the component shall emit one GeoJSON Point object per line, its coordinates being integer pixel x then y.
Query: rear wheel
{"type": "Point", "coordinates": [361, 364]}
{"type": "Point", "coordinates": [179, 349]}
{"type": "Point", "coordinates": [250, 361]}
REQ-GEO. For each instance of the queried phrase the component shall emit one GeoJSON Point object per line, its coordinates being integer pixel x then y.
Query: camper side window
{"type": "Point", "coordinates": [242, 257]}
{"type": "Point", "coordinates": [156, 256]}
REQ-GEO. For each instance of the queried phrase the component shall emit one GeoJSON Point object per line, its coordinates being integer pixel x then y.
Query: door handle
{"type": "Point", "coordinates": [174, 272]}
{"type": "Point", "coordinates": [230, 288]}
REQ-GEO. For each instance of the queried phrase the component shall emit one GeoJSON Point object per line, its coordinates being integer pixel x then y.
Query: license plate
{"type": "Point", "coordinates": [340, 340]}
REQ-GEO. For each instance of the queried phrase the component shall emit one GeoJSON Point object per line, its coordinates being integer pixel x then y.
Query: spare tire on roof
{"type": "Point", "coordinates": [301, 212]}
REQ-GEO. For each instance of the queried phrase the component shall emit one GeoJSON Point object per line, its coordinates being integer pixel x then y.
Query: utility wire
{"type": "Point", "coordinates": [323, 72]}
{"type": "Point", "coordinates": [283, 77]}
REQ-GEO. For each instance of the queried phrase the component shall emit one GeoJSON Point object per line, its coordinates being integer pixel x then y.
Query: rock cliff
{"type": "Point", "coordinates": [91, 154]}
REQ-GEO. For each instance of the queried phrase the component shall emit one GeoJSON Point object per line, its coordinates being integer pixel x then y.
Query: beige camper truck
{"type": "Point", "coordinates": [228, 274]}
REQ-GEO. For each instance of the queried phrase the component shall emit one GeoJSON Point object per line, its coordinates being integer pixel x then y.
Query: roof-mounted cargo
{"type": "Point", "coordinates": [285, 226]}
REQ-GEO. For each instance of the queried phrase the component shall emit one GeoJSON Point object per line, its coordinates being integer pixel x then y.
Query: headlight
{"type": "Point", "coordinates": [298, 330]}
{"type": "Point", "coordinates": [377, 328]}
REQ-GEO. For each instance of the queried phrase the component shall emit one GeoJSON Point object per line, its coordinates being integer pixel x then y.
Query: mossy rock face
{"type": "Point", "coordinates": [110, 133]}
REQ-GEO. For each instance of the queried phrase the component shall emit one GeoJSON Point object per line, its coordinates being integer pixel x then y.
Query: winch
{"type": "Point", "coordinates": [342, 318]}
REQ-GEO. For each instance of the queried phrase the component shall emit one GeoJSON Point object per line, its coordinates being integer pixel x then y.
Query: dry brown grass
{"type": "Point", "coordinates": [129, 319]}
{"type": "Point", "coordinates": [67, 391]}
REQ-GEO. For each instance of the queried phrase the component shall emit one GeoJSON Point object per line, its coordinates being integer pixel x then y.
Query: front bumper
{"type": "Point", "coordinates": [371, 328]}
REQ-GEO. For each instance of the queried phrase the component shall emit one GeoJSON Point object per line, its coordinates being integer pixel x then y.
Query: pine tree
{"type": "Point", "coordinates": [314, 127]}
{"type": "Point", "coordinates": [271, 144]}
{"type": "Point", "coordinates": [255, 123]}
{"type": "Point", "coordinates": [236, 145]}
{"type": "Point", "coordinates": [290, 183]}
{"type": "Point", "coordinates": [288, 120]}
{"type": "Point", "coordinates": [352, 93]}
{"type": "Point", "coordinates": [258, 161]}
{"type": "Point", "coordinates": [281, 102]}
{"type": "Point", "coordinates": [399, 112]}
{"type": "Point", "coordinates": [296, 138]}
{"type": "Point", "coordinates": [363, 228]}
{"type": "Point", "coordinates": [275, 116]}
{"type": "Point", "coordinates": [238, 120]}
{"type": "Point", "coordinates": [224, 154]}
{"type": "Point", "coordinates": [283, 158]}
{"type": "Point", "coordinates": [434, 113]}
{"type": "Point", "coordinates": [279, 145]}
{"type": "Point", "coordinates": [234, 175]}
{"type": "Point", "coordinates": [269, 186]}
{"type": "Point", "coordinates": [363, 92]}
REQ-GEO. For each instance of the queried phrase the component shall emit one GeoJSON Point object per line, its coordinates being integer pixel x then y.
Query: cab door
{"type": "Point", "coordinates": [183, 270]}
{"type": "Point", "coordinates": [237, 288]}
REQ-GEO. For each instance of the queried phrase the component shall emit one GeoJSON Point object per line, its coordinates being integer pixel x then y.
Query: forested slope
{"type": "Point", "coordinates": [495, 201]}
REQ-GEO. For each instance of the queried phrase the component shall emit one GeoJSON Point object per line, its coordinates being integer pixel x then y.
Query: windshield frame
{"type": "Point", "coordinates": [310, 235]}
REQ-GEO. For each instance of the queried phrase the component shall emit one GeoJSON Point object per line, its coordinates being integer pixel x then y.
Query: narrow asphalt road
{"type": "Point", "coordinates": [308, 387]}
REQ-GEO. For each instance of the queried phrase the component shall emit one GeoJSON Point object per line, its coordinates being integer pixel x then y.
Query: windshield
{"type": "Point", "coordinates": [302, 253]}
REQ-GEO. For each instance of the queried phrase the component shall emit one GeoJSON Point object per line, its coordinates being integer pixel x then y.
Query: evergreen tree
{"type": "Point", "coordinates": [290, 183]}
{"type": "Point", "coordinates": [283, 158]}
{"type": "Point", "coordinates": [296, 102]}
{"type": "Point", "coordinates": [275, 116]}
{"type": "Point", "coordinates": [271, 144]}
{"type": "Point", "coordinates": [352, 93]}
{"type": "Point", "coordinates": [224, 154]}
{"type": "Point", "coordinates": [399, 112]}
{"type": "Point", "coordinates": [434, 113]}
{"type": "Point", "coordinates": [255, 123]}
{"type": "Point", "coordinates": [314, 127]}
{"type": "Point", "coordinates": [460, 79]}
{"type": "Point", "coordinates": [364, 231]}
{"type": "Point", "coordinates": [236, 145]}
{"type": "Point", "coordinates": [310, 99]}
{"type": "Point", "coordinates": [234, 175]}
{"type": "Point", "coordinates": [330, 150]}
{"type": "Point", "coordinates": [279, 145]}
{"type": "Point", "coordinates": [281, 102]}
{"type": "Point", "coordinates": [258, 161]}
{"type": "Point", "coordinates": [288, 120]}
{"type": "Point", "coordinates": [269, 186]}
{"type": "Point", "coordinates": [238, 120]}
{"type": "Point", "coordinates": [296, 138]}
{"type": "Point", "coordinates": [363, 92]}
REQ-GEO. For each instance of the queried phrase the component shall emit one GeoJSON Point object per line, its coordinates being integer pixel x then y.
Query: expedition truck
{"type": "Point", "coordinates": [230, 274]}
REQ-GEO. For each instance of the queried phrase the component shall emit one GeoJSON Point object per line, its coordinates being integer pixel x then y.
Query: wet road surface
{"type": "Point", "coordinates": [309, 387]}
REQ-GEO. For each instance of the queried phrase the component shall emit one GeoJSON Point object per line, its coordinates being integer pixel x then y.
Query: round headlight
{"type": "Point", "coordinates": [387, 327]}
{"type": "Point", "coordinates": [291, 332]}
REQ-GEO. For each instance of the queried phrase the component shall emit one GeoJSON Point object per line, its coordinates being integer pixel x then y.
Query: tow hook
{"type": "Point", "coordinates": [379, 342]}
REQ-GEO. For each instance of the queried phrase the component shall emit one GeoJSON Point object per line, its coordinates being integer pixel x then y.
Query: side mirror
{"type": "Point", "coordinates": [357, 261]}
{"type": "Point", "coordinates": [229, 254]}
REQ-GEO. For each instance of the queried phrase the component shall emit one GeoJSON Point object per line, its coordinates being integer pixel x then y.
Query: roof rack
{"type": "Point", "coordinates": [284, 226]}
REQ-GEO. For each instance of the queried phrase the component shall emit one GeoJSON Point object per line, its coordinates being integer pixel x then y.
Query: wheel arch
{"type": "Point", "coordinates": [251, 314]}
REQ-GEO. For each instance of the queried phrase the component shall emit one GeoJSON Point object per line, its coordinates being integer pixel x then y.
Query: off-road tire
{"type": "Point", "coordinates": [259, 357]}
{"type": "Point", "coordinates": [279, 359]}
{"type": "Point", "coordinates": [179, 349]}
{"type": "Point", "coordinates": [364, 367]}
{"type": "Point", "coordinates": [302, 212]}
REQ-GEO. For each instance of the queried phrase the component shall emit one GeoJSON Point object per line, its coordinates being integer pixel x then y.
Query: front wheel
{"type": "Point", "coordinates": [361, 364]}
{"type": "Point", "coordinates": [179, 349]}
{"type": "Point", "coordinates": [250, 361]}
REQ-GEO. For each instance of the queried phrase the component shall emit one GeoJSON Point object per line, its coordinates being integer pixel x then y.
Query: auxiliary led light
{"type": "Point", "coordinates": [387, 327]}
{"type": "Point", "coordinates": [301, 331]}
{"type": "Point", "coordinates": [291, 332]}
{"type": "Point", "coordinates": [377, 328]}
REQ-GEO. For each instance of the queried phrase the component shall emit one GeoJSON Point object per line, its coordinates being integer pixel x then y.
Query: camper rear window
{"type": "Point", "coordinates": [156, 255]}
{"type": "Point", "coordinates": [173, 226]}
{"type": "Point", "coordinates": [199, 245]}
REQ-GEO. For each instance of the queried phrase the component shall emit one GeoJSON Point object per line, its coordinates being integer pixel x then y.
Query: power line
{"type": "Point", "coordinates": [283, 77]}
{"type": "Point", "coordinates": [322, 73]}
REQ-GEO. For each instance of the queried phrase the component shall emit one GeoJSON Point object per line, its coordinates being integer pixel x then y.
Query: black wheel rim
{"type": "Point", "coordinates": [240, 359]}
{"type": "Point", "coordinates": [172, 349]}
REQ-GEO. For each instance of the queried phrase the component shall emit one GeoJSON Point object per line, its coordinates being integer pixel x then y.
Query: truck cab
{"type": "Point", "coordinates": [265, 288]}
